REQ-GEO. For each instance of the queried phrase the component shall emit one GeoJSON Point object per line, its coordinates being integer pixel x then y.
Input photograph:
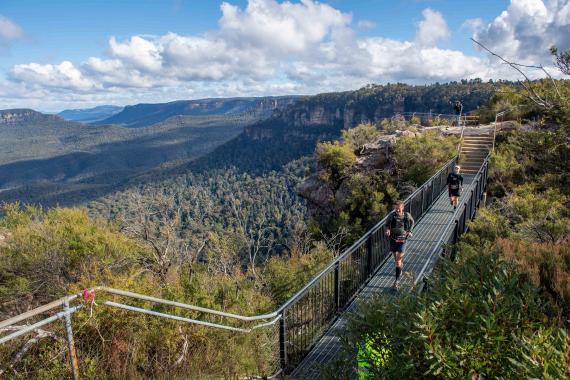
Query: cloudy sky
{"type": "Point", "coordinates": [73, 54]}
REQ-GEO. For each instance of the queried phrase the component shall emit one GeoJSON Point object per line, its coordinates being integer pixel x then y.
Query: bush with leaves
{"type": "Point", "coordinates": [361, 134]}
{"type": "Point", "coordinates": [368, 199]}
{"type": "Point", "coordinates": [47, 254]}
{"type": "Point", "coordinates": [463, 325]}
{"type": "Point", "coordinates": [533, 156]}
{"type": "Point", "coordinates": [418, 158]}
{"type": "Point", "coordinates": [336, 158]}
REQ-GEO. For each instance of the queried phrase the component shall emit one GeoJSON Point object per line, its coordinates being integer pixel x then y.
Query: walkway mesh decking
{"type": "Point", "coordinates": [426, 235]}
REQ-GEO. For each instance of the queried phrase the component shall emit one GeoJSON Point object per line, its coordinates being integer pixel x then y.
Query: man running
{"type": "Point", "coordinates": [454, 186]}
{"type": "Point", "coordinates": [399, 230]}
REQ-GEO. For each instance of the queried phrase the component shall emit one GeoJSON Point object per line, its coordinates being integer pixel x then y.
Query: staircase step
{"type": "Point", "coordinates": [483, 152]}
{"type": "Point", "coordinates": [470, 168]}
{"type": "Point", "coordinates": [477, 142]}
{"type": "Point", "coordinates": [471, 163]}
{"type": "Point", "coordinates": [477, 138]}
{"type": "Point", "coordinates": [464, 157]}
{"type": "Point", "coordinates": [469, 157]}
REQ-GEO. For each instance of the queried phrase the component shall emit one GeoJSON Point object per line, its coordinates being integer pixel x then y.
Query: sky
{"type": "Point", "coordinates": [75, 54]}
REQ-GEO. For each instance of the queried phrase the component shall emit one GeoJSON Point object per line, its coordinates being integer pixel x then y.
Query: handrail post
{"type": "Point", "coordinates": [495, 132]}
{"type": "Point", "coordinates": [456, 232]}
{"type": "Point", "coordinates": [283, 342]}
{"type": "Point", "coordinates": [369, 254]}
{"type": "Point", "coordinates": [337, 286]}
{"type": "Point", "coordinates": [423, 199]}
{"type": "Point", "coordinates": [70, 342]}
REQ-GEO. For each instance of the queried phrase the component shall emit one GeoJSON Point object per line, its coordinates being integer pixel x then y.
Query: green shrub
{"type": "Point", "coordinates": [463, 325]}
{"type": "Point", "coordinates": [361, 134]}
{"type": "Point", "coordinates": [418, 158]}
{"type": "Point", "coordinates": [415, 121]}
{"type": "Point", "coordinates": [49, 252]}
{"type": "Point", "coordinates": [287, 275]}
{"type": "Point", "coordinates": [336, 158]}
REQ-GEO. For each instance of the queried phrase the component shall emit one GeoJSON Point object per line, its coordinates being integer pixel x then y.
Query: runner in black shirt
{"type": "Point", "coordinates": [454, 186]}
{"type": "Point", "coordinates": [399, 230]}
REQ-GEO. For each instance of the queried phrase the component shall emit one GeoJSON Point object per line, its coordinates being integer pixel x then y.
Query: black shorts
{"type": "Point", "coordinates": [396, 246]}
{"type": "Point", "coordinates": [454, 192]}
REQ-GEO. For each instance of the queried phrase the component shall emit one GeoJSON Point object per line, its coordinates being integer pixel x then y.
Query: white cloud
{"type": "Point", "coordinates": [432, 29]}
{"type": "Point", "coordinates": [62, 76]}
{"type": "Point", "coordinates": [527, 28]}
{"type": "Point", "coordinates": [275, 47]}
{"type": "Point", "coordinates": [281, 28]}
{"type": "Point", "coordinates": [9, 30]}
{"type": "Point", "coordinates": [366, 24]}
{"type": "Point", "coordinates": [473, 24]}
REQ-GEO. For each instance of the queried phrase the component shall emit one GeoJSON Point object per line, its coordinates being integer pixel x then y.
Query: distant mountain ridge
{"type": "Point", "coordinates": [90, 115]}
{"type": "Point", "coordinates": [48, 160]}
{"type": "Point", "coordinates": [20, 116]}
{"type": "Point", "coordinates": [64, 162]}
{"type": "Point", "coordinates": [142, 115]}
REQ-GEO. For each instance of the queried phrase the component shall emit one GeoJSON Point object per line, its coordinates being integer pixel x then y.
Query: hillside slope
{"type": "Point", "coordinates": [90, 115]}
{"type": "Point", "coordinates": [44, 159]}
{"type": "Point", "coordinates": [142, 115]}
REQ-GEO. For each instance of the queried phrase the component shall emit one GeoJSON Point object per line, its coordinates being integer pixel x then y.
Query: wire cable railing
{"type": "Point", "coordinates": [289, 332]}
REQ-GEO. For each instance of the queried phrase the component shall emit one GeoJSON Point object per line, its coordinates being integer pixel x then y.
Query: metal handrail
{"type": "Point", "coordinates": [356, 244]}
{"type": "Point", "coordinates": [501, 114]}
{"type": "Point", "coordinates": [38, 310]}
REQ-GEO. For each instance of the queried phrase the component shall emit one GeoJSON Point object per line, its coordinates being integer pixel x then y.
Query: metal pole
{"type": "Point", "coordinates": [495, 132]}
{"type": "Point", "coordinates": [337, 286]}
{"type": "Point", "coordinates": [71, 343]}
{"type": "Point", "coordinates": [369, 249]}
{"type": "Point", "coordinates": [283, 342]}
{"type": "Point", "coordinates": [456, 232]}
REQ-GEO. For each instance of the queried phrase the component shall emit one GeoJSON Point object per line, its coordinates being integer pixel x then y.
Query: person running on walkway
{"type": "Point", "coordinates": [399, 230]}
{"type": "Point", "coordinates": [454, 186]}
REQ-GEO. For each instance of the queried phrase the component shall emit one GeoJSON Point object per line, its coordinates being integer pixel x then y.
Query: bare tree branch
{"type": "Point", "coordinates": [533, 96]}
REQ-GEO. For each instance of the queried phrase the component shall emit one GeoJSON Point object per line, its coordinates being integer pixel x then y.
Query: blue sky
{"type": "Point", "coordinates": [60, 54]}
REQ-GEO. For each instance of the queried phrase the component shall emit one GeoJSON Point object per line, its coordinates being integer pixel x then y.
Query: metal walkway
{"type": "Point", "coordinates": [425, 239]}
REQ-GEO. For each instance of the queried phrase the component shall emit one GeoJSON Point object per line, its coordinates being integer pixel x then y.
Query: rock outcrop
{"type": "Point", "coordinates": [25, 116]}
{"type": "Point", "coordinates": [325, 200]}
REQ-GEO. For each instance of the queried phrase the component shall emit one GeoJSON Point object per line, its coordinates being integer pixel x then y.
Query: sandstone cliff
{"type": "Point", "coordinates": [24, 116]}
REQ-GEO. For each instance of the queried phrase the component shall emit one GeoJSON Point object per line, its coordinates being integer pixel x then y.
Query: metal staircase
{"type": "Point", "coordinates": [474, 150]}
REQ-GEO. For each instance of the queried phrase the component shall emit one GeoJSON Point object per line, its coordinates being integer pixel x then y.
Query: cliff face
{"type": "Point", "coordinates": [346, 116]}
{"type": "Point", "coordinates": [342, 110]}
{"type": "Point", "coordinates": [16, 117]}
{"type": "Point", "coordinates": [304, 119]}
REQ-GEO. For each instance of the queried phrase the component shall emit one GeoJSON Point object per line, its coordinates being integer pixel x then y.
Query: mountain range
{"type": "Point", "coordinates": [90, 115]}
{"type": "Point", "coordinates": [46, 159]}
{"type": "Point", "coordinates": [144, 115]}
